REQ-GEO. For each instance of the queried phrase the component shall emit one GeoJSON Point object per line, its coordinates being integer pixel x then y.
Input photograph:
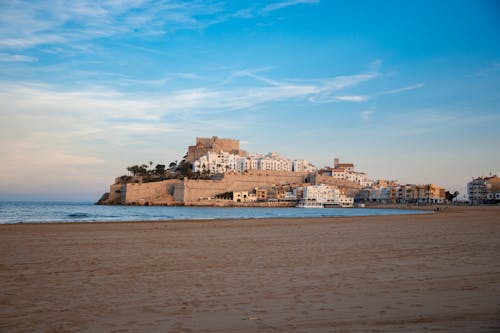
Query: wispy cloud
{"type": "Point", "coordinates": [284, 4]}
{"type": "Point", "coordinates": [487, 71]}
{"type": "Point", "coordinates": [399, 90]}
{"type": "Point", "coordinates": [106, 104]}
{"type": "Point", "coordinates": [70, 22]}
{"type": "Point", "coordinates": [73, 22]}
{"type": "Point", "coordinates": [366, 115]}
{"type": "Point", "coordinates": [5, 57]}
{"type": "Point", "coordinates": [328, 88]}
{"type": "Point", "coordinates": [124, 80]}
{"type": "Point", "coordinates": [362, 98]}
{"type": "Point", "coordinates": [352, 98]}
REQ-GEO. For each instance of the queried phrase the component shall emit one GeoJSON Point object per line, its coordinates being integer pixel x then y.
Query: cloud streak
{"type": "Point", "coordinates": [284, 4]}
{"type": "Point", "coordinates": [366, 115]}
{"type": "Point", "coordinates": [5, 57]}
{"type": "Point", "coordinates": [352, 98]}
{"type": "Point", "coordinates": [399, 90]}
{"type": "Point", "coordinates": [76, 21]}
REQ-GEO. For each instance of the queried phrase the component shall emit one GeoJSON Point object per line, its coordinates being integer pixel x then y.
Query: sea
{"type": "Point", "coordinates": [40, 212]}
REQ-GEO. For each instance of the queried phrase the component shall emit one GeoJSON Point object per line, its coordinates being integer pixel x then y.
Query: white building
{"type": "Point", "coordinates": [303, 166]}
{"type": "Point", "coordinates": [360, 178]}
{"type": "Point", "coordinates": [484, 190]}
{"type": "Point", "coordinates": [223, 162]}
{"type": "Point", "coordinates": [346, 201]}
{"type": "Point", "coordinates": [320, 194]}
{"type": "Point", "coordinates": [274, 162]}
{"type": "Point", "coordinates": [247, 163]}
{"type": "Point", "coordinates": [216, 162]}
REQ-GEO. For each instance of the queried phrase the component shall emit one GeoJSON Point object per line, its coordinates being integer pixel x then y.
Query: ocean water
{"type": "Point", "coordinates": [28, 211]}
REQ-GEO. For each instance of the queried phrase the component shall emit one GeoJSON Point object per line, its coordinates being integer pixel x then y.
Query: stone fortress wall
{"type": "Point", "coordinates": [154, 193]}
{"type": "Point", "coordinates": [195, 190]}
{"type": "Point", "coordinates": [189, 191]}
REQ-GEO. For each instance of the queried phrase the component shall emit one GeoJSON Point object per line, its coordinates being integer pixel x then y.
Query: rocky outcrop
{"type": "Point", "coordinates": [104, 199]}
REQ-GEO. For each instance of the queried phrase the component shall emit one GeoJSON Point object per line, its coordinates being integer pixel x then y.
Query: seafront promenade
{"type": "Point", "coordinates": [414, 273]}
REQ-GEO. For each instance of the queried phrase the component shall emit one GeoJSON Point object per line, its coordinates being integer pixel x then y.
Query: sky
{"type": "Point", "coordinates": [406, 90]}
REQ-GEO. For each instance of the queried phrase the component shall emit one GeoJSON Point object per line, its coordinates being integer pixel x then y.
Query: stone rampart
{"type": "Point", "coordinates": [194, 190]}
{"type": "Point", "coordinates": [154, 193]}
{"type": "Point", "coordinates": [188, 191]}
{"type": "Point", "coordinates": [115, 194]}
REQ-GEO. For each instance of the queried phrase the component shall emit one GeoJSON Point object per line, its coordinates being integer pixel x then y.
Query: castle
{"type": "Point", "coordinates": [214, 144]}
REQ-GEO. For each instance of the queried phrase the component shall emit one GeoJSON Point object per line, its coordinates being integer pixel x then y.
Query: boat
{"type": "Point", "coordinates": [309, 204]}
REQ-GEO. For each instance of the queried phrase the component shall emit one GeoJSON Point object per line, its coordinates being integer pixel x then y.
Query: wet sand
{"type": "Point", "coordinates": [416, 273]}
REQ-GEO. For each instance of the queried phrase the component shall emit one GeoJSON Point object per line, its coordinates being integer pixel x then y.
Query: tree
{"type": "Point", "coordinates": [172, 165]}
{"type": "Point", "coordinates": [450, 196]}
{"type": "Point", "coordinates": [134, 169]}
{"type": "Point", "coordinates": [185, 168]}
{"type": "Point", "coordinates": [160, 169]}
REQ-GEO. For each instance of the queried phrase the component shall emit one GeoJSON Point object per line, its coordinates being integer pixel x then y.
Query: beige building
{"type": "Point", "coordinates": [390, 192]}
{"type": "Point", "coordinates": [244, 196]}
{"type": "Point", "coordinates": [261, 194]}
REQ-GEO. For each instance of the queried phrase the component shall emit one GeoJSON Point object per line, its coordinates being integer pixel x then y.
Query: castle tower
{"type": "Point", "coordinates": [335, 162]}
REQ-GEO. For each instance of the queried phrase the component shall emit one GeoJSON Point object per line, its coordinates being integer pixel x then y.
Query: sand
{"type": "Point", "coordinates": [418, 273]}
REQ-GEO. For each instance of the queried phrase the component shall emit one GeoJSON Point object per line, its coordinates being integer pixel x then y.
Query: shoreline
{"type": "Point", "coordinates": [417, 212]}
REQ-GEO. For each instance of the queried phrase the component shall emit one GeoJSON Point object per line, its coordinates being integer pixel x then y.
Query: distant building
{"type": "Point", "coordinates": [346, 166]}
{"type": "Point", "coordinates": [213, 162]}
{"type": "Point", "coordinates": [345, 171]}
{"type": "Point", "coordinates": [345, 201]}
{"type": "Point", "coordinates": [484, 190]}
{"type": "Point", "coordinates": [274, 162]}
{"type": "Point", "coordinates": [303, 166]}
{"type": "Point", "coordinates": [222, 161]}
{"type": "Point", "coordinates": [391, 192]}
{"type": "Point", "coordinates": [213, 144]}
{"type": "Point", "coordinates": [320, 194]}
{"type": "Point", "coordinates": [244, 196]}
{"type": "Point", "coordinates": [261, 194]}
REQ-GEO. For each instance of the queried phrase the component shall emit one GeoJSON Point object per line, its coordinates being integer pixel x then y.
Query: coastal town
{"type": "Point", "coordinates": [216, 172]}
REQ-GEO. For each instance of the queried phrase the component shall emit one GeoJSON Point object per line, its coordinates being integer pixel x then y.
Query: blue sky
{"type": "Point", "coordinates": [405, 90]}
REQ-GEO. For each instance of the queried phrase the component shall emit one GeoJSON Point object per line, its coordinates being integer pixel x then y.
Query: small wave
{"type": "Point", "coordinates": [78, 215]}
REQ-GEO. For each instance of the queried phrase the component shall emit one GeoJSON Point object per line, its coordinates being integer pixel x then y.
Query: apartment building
{"type": "Point", "coordinates": [484, 190]}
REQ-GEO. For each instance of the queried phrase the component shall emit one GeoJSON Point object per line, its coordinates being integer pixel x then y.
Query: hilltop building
{"type": "Point", "coordinates": [303, 166]}
{"type": "Point", "coordinates": [216, 162]}
{"type": "Point", "coordinates": [222, 161]}
{"type": "Point", "coordinates": [484, 190]}
{"type": "Point", "coordinates": [213, 144]}
{"type": "Point", "coordinates": [344, 166]}
{"type": "Point", "coordinates": [346, 171]}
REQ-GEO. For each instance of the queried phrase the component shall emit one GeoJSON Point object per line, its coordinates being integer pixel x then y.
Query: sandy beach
{"type": "Point", "coordinates": [437, 272]}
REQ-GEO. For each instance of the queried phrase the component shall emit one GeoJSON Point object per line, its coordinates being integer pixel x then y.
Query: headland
{"type": "Point", "coordinates": [216, 172]}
